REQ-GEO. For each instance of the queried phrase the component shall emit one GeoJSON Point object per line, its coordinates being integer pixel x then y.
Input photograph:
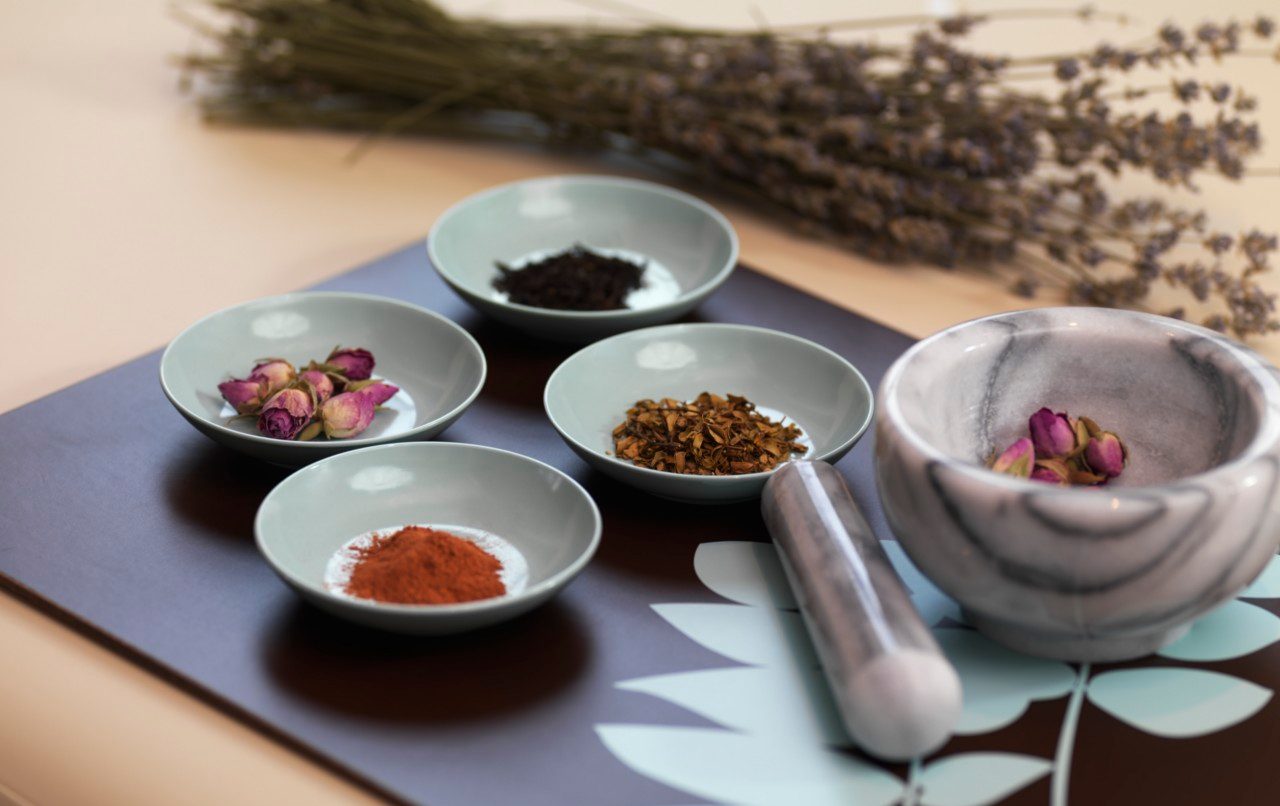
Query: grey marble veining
{"type": "Point", "coordinates": [1089, 573]}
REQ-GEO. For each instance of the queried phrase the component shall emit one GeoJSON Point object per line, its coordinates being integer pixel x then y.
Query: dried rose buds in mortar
{"type": "Point", "coordinates": [1064, 451]}
{"type": "Point", "coordinates": [337, 397]}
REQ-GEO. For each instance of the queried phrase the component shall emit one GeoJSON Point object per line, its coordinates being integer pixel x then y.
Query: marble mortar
{"type": "Point", "coordinates": [1083, 574]}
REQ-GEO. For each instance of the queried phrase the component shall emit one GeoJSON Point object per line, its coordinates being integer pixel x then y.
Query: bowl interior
{"type": "Point", "coordinates": [1181, 400]}
{"type": "Point", "coordinates": [684, 243]}
{"type": "Point", "coordinates": [310, 515]}
{"type": "Point", "coordinates": [435, 364]}
{"type": "Point", "coordinates": [589, 394]}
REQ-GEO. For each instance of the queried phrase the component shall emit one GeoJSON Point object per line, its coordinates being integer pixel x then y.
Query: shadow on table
{"type": "Point", "coordinates": [405, 679]}
{"type": "Point", "coordinates": [219, 488]}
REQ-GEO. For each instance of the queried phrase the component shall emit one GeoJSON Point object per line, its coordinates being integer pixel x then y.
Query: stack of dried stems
{"type": "Point", "coordinates": [921, 151]}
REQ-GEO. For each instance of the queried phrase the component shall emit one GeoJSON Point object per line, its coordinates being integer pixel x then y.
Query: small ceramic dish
{"type": "Point", "coordinates": [688, 248]}
{"type": "Point", "coordinates": [438, 366]}
{"type": "Point", "coordinates": [543, 520]}
{"type": "Point", "coordinates": [1083, 574]}
{"type": "Point", "coordinates": [784, 375]}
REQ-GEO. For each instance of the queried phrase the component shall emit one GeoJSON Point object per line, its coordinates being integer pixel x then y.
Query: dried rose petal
{"type": "Point", "coordinates": [244, 395]}
{"type": "Point", "coordinates": [1053, 434]}
{"type": "Point", "coordinates": [356, 363]}
{"type": "Point", "coordinates": [286, 414]}
{"type": "Point", "coordinates": [346, 415]}
{"type": "Point", "coordinates": [1016, 459]}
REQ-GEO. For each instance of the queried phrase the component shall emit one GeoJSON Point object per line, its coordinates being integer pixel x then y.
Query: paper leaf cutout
{"type": "Point", "coordinates": [1176, 702]}
{"type": "Point", "coordinates": [790, 704]}
{"type": "Point", "coordinates": [759, 636]}
{"type": "Point", "coordinates": [728, 767]}
{"type": "Point", "coordinates": [998, 683]}
{"type": "Point", "coordinates": [745, 572]}
{"type": "Point", "coordinates": [976, 779]}
{"type": "Point", "coordinates": [1267, 585]}
{"type": "Point", "coordinates": [932, 604]}
{"type": "Point", "coordinates": [1235, 629]}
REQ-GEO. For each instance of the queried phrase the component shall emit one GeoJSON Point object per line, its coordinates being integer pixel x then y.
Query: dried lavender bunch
{"type": "Point", "coordinates": [922, 151]}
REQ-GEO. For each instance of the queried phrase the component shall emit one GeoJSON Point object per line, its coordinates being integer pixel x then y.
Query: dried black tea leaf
{"type": "Point", "coordinates": [576, 279]}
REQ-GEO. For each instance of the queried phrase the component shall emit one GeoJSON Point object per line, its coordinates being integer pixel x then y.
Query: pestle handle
{"type": "Point", "coordinates": [898, 695]}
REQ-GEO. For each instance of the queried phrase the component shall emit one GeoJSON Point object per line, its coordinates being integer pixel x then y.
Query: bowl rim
{"type": "Point", "coordinates": [1268, 428]}
{"type": "Point", "coordinates": [551, 583]}
{"type": "Point", "coordinates": [685, 297]}
{"type": "Point", "coordinates": [838, 450]}
{"type": "Point", "coordinates": [326, 445]}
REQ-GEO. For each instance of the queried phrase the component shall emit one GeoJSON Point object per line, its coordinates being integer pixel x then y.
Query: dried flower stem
{"type": "Point", "coordinates": [918, 151]}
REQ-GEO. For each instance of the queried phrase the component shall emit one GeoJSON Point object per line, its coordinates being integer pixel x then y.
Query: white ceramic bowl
{"type": "Point", "coordinates": [1083, 573]}
{"type": "Point", "coordinates": [438, 366]}
{"type": "Point", "coordinates": [589, 394]}
{"type": "Point", "coordinates": [545, 515]}
{"type": "Point", "coordinates": [689, 248]}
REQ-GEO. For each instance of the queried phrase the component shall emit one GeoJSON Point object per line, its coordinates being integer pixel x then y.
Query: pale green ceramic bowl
{"type": "Point", "coordinates": [784, 375]}
{"type": "Point", "coordinates": [689, 248]}
{"type": "Point", "coordinates": [438, 366]}
{"type": "Point", "coordinates": [545, 515]}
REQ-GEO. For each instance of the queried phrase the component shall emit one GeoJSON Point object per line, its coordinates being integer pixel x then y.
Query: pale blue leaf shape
{"type": "Point", "coordinates": [1235, 629]}
{"type": "Point", "coordinates": [745, 572]}
{"type": "Point", "coordinates": [760, 636]}
{"type": "Point", "coordinates": [1267, 585]}
{"type": "Point", "coordinates": [976, 779]}
{"type": "Point", "coordinates": [728, 767]}
{"type": "Point", "coordinates": [998, 684]}
{"type": "Point", "coordinates": [1174, 702]}
{"type": "Point", "coordinates": [792, 704]}
{"type": "Point", "coordinates": [932, 604]}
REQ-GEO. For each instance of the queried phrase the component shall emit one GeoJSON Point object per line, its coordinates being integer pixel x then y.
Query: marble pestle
{"type": "Point", "coordinates": [898, 696]}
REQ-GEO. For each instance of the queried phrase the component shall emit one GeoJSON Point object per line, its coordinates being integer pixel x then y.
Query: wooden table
{"type": "Point", "coordinates": [125, 219]}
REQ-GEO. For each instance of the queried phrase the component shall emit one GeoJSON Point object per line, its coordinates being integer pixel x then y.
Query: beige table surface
{"type": "Point", "coordinates": [124, 218]}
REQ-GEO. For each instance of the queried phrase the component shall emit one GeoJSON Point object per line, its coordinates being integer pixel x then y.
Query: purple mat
{"type": "Point", "coordinates": [140, 535]}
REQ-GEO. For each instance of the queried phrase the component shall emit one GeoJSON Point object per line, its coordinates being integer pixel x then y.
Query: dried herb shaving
{"type": "Point", "coordinates": [710, 436]}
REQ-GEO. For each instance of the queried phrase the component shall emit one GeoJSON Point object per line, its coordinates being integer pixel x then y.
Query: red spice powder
{"type": "Point", "coordinates": [417, 565]}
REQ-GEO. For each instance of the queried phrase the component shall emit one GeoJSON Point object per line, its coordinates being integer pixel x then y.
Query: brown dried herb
{"type": "Point", "coordinates": [710, 436]}
{"type": "Point", "coordinates": [576, 279]}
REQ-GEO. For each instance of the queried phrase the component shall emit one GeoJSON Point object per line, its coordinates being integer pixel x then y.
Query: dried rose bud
{"type": "Point", "coordinates": [346, 415]}
{"type": "Point", "coordinates": [1053, 434]}
{"type": "Point", "coordinates": [244, 395]}
{"type": "Point", "coordinates": [355, 363]}
{"type": "Point", "coordinates": [1016, 459]}
{"type": "Point", "coordinates": [275, 373]}
{"type": "Point", "coordinates": [378, 391]}
{"type": "Point", "coordinates": [1106, 455]}
{"type": "Point", "coordinates": [1051, 471]}
{"type": "Point", "coordinates": [320, 383]}
{"type": "Point", "coordinates": [286, 414]}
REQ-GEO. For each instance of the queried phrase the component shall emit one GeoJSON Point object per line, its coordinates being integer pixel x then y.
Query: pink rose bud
{"type": "Point", "coordinates": [379, 392]}
{"type": "Point", "coordinates": [354, 362]}
{"type": "Point", "coordinates": [244, 395]}
{"type": "Point", "coordinates": [1016, 459]}
{"type": "Point", "coordinates": [276, 373]}
{"type": "Point", "coordinates": [286, 414]}
{"type": "Point", "coordinates": [346, 415]}
{"type": "Point", "coordinates": [1051, 471]}
{"type": "Point", "coordinates": [1054, 435]}
{"type": "Point", "coordinates": [320, 382]}
{"type": "Point", "coordinates": [1106, 455]}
